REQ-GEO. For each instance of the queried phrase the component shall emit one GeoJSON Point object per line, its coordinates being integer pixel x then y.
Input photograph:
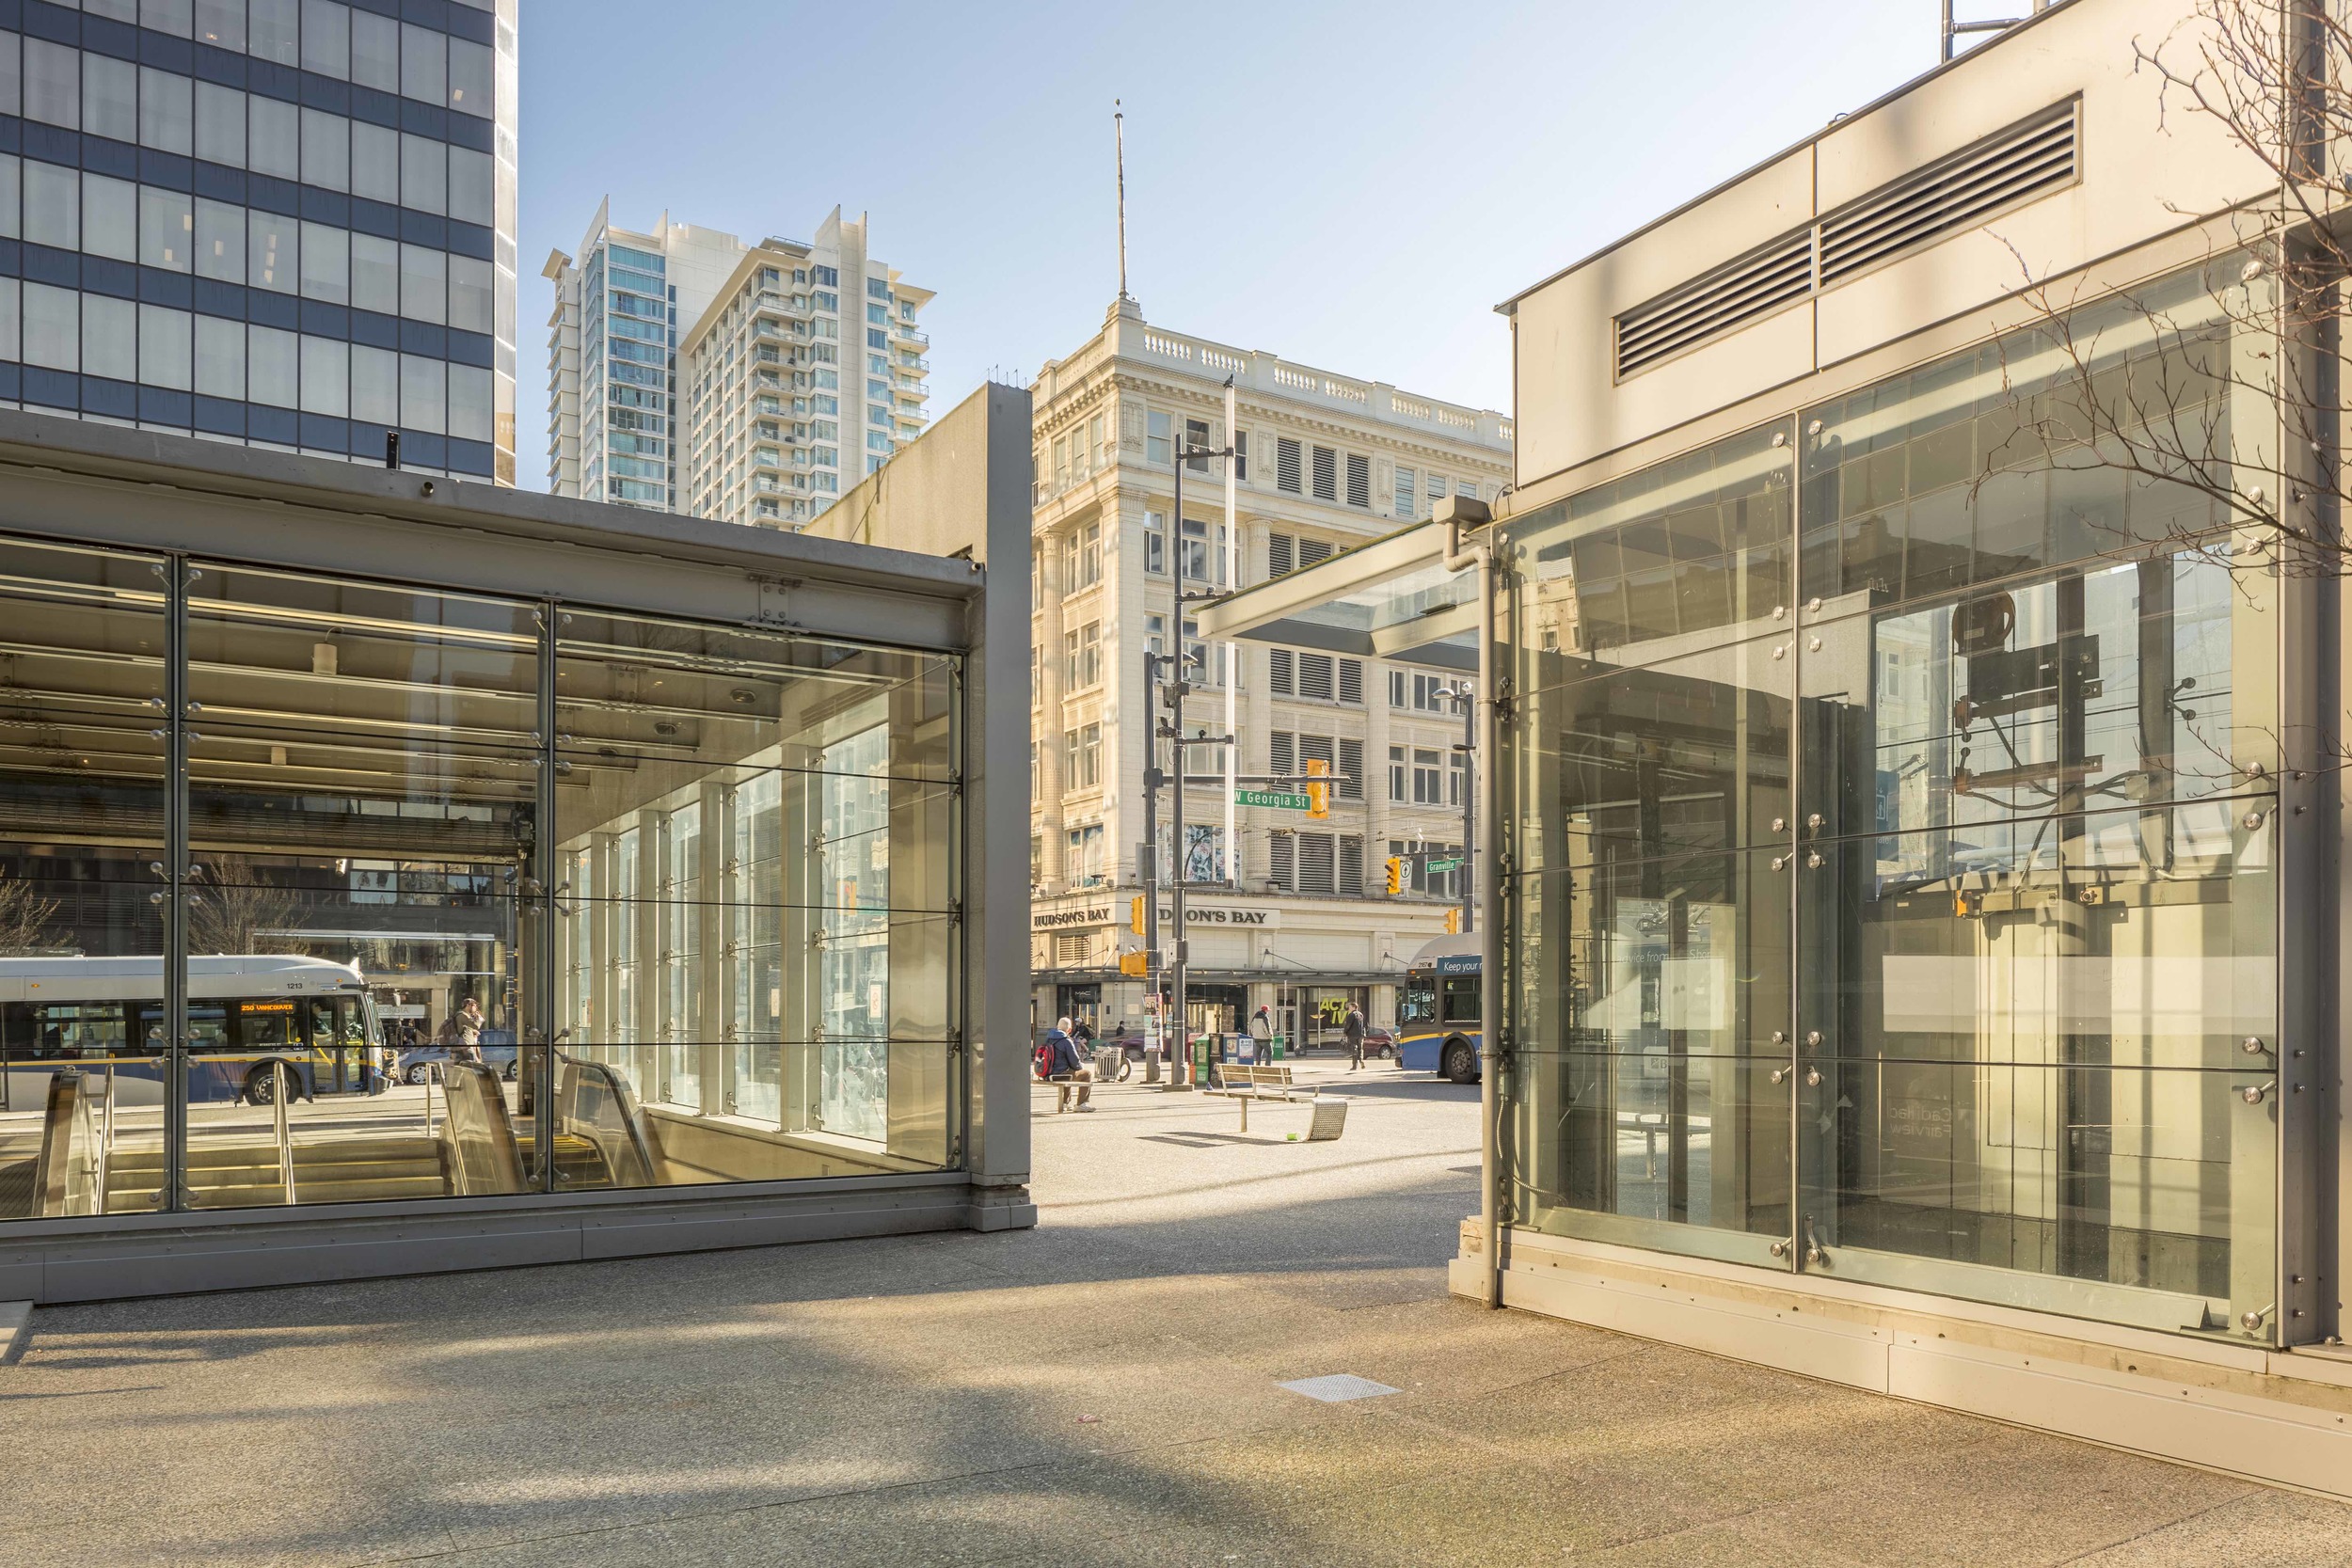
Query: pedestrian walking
{"type": "Point", "coordinates": [1262, 1035]}
{"type": "Point", "coordinates": [1352, 1029]}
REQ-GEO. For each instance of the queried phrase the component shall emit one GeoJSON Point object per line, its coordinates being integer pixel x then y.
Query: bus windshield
{"type": "Point", "coordinates": [1418, 1003]}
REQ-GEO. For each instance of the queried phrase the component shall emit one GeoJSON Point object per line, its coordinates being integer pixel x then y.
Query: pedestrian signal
{"type": "Point", "coordinates": [1397, 875]}
{"type": "Point", "coordinates": [1137, 963]}
{"type": "Point", "coordinates": [1318, 795]}
{"type": "Point", "coordinates": [1453, 923]}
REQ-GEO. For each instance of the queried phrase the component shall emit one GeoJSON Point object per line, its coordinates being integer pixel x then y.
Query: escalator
{"type": "Point", "coordinates": [87, 1163]}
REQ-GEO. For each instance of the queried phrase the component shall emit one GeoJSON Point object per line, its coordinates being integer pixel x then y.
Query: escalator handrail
{"type": "Point", "coordinates": [282, 1088]}
{"type": "Point", "coordinates": [482, 1094]}
{"type": "Point", "coordinates": [632, 1118]}
{"type": "Point", "coordinates": [63, 1127]}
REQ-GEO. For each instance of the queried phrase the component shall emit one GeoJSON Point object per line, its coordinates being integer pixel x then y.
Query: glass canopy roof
{"type": "Point", "coordinates": [1391, 598]}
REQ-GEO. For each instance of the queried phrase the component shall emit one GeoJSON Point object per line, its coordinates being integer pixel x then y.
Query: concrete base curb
{"type": "Point", "coordinates": [16, 1331]}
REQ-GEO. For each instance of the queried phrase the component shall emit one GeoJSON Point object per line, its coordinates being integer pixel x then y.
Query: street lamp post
{"type": "Point", "coordinates": [1174, 734]}
{"type": "Point", "coordinates": [1466, 698]}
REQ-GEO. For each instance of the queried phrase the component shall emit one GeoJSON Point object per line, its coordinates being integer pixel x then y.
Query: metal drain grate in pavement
{"type": "Point", "coordinates": [1340, 1387]}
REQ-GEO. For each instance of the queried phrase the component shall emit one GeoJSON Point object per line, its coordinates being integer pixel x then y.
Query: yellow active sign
{"type": "Point", "coordinates": [1136, 963]}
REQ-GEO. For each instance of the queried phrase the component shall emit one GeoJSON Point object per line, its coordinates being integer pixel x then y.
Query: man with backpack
{"type": "Point", "coordinates": [1352, 1030]}
{"type": "Point", "coordinates": [1063, 1062]}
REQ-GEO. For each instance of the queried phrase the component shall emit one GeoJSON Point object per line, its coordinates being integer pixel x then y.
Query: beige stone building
{"type": "Point", "coordinates": [1299, 920]}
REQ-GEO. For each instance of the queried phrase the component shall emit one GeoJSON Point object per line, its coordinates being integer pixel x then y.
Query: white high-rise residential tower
{"type": "Point", "coordinates": [692, 372]}
{"type": "Point", "coordinates": [613, 412]}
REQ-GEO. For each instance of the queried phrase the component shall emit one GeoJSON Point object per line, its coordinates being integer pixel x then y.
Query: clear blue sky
{"type": "Point", "coordinates": [1351, 184]}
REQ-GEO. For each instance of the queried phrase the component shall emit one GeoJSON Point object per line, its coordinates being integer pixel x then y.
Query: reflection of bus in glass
{"type": "Point", "coordinates": [1436, 1021]}
{"type": "Point", "coordinates": [244, 1014]}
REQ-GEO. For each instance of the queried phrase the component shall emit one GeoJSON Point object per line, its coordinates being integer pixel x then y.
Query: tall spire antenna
{"type": "Point", "coordinates": [1119, 131]}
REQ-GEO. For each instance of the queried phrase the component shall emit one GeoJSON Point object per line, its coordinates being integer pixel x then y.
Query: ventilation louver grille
{"type": "Point", "coordinates": [2026, 161]}
{"type": "Point", "coordinates": [1755, 285]}
{"type": "Point", "coordinates": [1962, 190]}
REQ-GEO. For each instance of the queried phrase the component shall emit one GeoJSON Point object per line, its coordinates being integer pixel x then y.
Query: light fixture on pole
{"type": "Point", "coordinates": [1464, 696]}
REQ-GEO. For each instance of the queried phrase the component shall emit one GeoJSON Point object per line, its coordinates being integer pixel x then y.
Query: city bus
{"type": "Point", "coordinates": [1437, 1018]}
{"type": "Point", "coordinates": [245, 1014]}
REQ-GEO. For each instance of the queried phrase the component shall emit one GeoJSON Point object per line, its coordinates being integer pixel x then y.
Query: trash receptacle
{"type": "Point", "coordinates": [1274, 1049]}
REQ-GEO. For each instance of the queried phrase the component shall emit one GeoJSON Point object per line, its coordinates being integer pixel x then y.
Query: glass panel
{"type": "Point", "coordinates": [2135, 681]}
{"type": "Point", "coordinates": [1688, 752]}
{"type": "Point", "coordinates": [756, 836]}
{"type": "Point", "coordinates": [362, 805]}
{"type": "Point", "coordinates": [1692, 549]}
{"type": "Point", "coordinates": [2021, 455]}
{"type": "Point", "coordinates": [1655, 986]}
{"type": "Point", "coordinates": [2032, 1055]}
{"type": "Point", "coordinates": [81, 840]}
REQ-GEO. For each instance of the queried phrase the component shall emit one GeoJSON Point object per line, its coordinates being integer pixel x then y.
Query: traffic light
{"type": "Point", "coordinates": [1318, 795]}
{"type": "Point", "coordinates": [1134, 916]}
{"type": "Point", "coordinates": [1454, 922]}
{"type": "Point", "coordinates": [1397, 875]}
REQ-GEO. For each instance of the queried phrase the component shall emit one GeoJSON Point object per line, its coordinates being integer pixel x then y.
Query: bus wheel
{"type": "Point", "coordinates": [1461, 1062]}
{"type": "Point", "coordinates": [261, 1086]}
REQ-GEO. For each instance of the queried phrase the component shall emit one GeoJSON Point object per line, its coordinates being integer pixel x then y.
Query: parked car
{"type": "Point", "coordinates": [415, 1065]}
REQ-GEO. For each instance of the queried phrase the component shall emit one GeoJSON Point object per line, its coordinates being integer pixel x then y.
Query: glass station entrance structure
{"type": "Point", "coordinates": [342, 878]}
{"type": "Point", "coordinates": [1916, 839]}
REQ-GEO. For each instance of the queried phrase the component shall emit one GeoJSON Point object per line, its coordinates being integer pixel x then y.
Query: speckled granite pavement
{"type": "Point", "coordinates": [1102, 1391]}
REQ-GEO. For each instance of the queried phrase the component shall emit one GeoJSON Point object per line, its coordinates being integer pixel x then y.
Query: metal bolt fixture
{"type": "Point", "coordinates": [1813, 1037]}
{"type": "Point", "coordinates": [1813, 646]}
{"type": "Point", "coordinates": [1779, 861]}
{"type": "Point", "coordinates": [1780, 1249]}
{"type": "Point", "coordinates": [1780, 1075]}
{"type": "Point", "coordinates": [1813, 1077]}
{"type": "Point", "coordinates": [2253, 770]}
{"type": "Point", "coordinates": [1813, 429]}
{"type": "Point", "coordinates": [1779, 1037]}
{"type": "Point", "coordinates": [1780, 824]}
{"type": "Point", "coordinates": [1813, 607]}
{"type": "Point", "coordinates": [2252, 1094]}
{"type": "Point", "coordinates": [1813, 859]}
{"type": "Point", "coordinates": [1781, 651]}
{"type": "Point", "coordinates": [1780, 437]}
{"type": "Point", "coordinates": [2251, 1045]}
{"type": "Point", "coordinates": [2253, 821]}
{"type": "Point", "coordinates": [1814, 821]}
{"type": "Point", "coordinates": [1780, 612]}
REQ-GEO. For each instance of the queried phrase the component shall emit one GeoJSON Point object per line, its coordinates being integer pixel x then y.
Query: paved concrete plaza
{"type": "Point", "coordinates": [1104, 1389]}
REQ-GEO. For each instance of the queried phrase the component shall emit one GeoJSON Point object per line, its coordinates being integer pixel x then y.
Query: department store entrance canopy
{"type": "Point", "coordinates": [1391, 598]}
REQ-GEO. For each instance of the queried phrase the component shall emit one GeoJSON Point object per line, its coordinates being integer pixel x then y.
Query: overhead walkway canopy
{"type": "Point", "coordinates": [1391, 598]}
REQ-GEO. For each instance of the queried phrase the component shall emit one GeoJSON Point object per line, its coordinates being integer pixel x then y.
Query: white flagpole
{"type": "Point", "coordinates": [1232, 653]}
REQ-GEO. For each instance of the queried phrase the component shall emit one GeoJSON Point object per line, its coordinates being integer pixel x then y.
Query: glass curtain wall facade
{"type": "Point", "coordinates": [1889, 816]}
{"type": "Point", "coordinates": [476, 896]}
{"type": "Point", "coordinates": [628, 382]}
{"type": "Point", "coordinates": [283, 222]}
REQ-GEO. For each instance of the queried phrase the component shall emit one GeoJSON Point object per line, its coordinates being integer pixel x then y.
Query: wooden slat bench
{"type": "Point", "coordinates": [1247, 1080]}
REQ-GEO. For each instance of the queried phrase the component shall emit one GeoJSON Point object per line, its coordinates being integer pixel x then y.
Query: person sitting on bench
{"type": "Point", "coordinates": [1064, 1065]}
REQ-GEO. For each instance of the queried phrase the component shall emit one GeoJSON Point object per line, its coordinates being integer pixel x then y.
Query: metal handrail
{"type": "Point", "coordinates": [433, 1074]}
{"type": "Point", "coordinates": [281, 1082]}
{"type": "Point", "coordinates": [106, 1134]}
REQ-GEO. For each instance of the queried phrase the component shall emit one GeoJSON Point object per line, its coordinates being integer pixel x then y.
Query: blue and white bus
{"type": "Point", "coordinates": [246, 1013]}
{"type": "Point", "coordinates": [1437, 1018]}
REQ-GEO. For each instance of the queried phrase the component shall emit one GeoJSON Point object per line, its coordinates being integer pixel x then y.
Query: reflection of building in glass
{"type": "Point", "coordinates": [564, 873]}
{"type": "Point", "coordinates": [1919, 925]}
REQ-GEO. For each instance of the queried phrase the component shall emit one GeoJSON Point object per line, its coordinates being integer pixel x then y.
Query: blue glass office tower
{"type": "Point", "coordinates": [287, 223]}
